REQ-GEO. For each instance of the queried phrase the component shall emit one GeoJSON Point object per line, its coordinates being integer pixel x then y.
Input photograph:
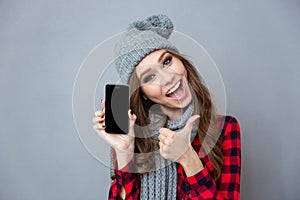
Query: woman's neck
{"type": "Point", "coordinates": [173, 113]}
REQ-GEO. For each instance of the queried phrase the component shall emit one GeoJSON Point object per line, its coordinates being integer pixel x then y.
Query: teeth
{"type": "Point", "coordinates": [174, 88]}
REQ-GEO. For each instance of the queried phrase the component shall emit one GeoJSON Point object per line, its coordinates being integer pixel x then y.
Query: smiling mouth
{"type": "Point", "coordinates": [176, 91]}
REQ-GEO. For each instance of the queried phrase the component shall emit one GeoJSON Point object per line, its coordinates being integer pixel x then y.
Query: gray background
{"type": "Point", "coordinates": [255, 44]}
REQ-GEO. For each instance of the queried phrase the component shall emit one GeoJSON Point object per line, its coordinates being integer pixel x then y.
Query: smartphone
{"type": "Point", "coordinates": [116, 108]}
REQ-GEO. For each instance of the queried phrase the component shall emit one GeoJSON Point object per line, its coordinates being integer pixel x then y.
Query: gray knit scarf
{"type": "Point", "coordinates": [161, 184]}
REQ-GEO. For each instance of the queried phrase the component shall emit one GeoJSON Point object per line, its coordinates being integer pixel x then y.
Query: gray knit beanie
{"type": "Point", "coordinates": [140, 39]}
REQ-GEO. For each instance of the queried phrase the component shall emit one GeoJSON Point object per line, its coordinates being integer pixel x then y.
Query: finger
{"type": "Point", "coordinates": [161, 137]}
{"type": "Point", "coordinates": [161, 151]}
{"type": "Point", "coordinates": [161, 144]}
{"type": "Point", "coordinates": [98, 119]}
{"type": "Point", "coordinates": [103, 104]}
{"type": "Point", "coordinates": [102, 127]}
{"type": "Point", "coordinates": [132, 117]}
{"type": "Point", "coordinates": [167, 135]}
{"type": "Point", "coordinates": [164, 140]}
{"type": "Point", "coordinates": [165, 131]}
{"type": "Point", "coordinates": [98, 113]}
{"type": "Point", "coordinates": [171, 135]}
{"type": "Point", "coordinates": [98, 127]}
{"type": "Point", "coordinates": [168, 141]}
{"type": "Point", "coordinates": [189, 123]}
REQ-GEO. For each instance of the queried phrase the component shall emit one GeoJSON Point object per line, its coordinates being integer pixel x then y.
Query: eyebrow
{"type": "Point", "coordinates": [144, 72]}
{"type": "Point", "coordinates": [161, 56]}
{"type": "Point", "coordinates": [149, 69]}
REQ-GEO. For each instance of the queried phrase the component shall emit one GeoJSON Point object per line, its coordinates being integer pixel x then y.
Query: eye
{"type": "Point", "coordinates": [167, 60]}
{"type": "Point", "coordinates": [148, 78]}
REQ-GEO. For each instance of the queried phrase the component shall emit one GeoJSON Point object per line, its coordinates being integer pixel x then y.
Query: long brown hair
{"type": "Point", "coordinates": [203, 106]}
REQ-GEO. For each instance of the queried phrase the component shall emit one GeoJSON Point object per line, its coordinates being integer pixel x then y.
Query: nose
{"type": "Point", "coordinates": [166, 77]}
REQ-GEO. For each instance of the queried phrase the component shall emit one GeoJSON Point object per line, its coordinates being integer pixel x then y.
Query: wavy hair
{"type": "Point", "coordinates": [207, 131]}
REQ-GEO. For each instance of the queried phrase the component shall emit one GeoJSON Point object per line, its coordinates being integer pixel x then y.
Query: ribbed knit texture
{"type": "Point", "coordinates": [162, 183]}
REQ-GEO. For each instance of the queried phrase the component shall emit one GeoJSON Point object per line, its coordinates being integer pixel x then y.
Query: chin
{"type": "Point", "coordinates": [186, 103]}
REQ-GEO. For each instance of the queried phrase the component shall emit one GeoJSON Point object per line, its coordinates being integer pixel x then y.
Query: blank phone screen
{"type": "Point", "coordinates": [116, 108]}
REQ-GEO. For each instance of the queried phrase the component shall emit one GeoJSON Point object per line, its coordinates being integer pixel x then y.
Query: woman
{"type": "Point", "coordinates": [177, 146]}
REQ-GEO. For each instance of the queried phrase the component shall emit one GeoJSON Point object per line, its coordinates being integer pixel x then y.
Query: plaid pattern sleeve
{"type": "Point", "coordinates": [202, 185]}
{"type": "Point", "coordinates": [128, 180]}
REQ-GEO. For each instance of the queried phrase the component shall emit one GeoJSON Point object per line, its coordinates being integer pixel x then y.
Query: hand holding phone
{"type": "Point", "coordinates": [123, 144]}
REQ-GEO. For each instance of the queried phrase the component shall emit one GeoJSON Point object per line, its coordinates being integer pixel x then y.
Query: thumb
{"type": "Point", "coordinates": [189, 124]}
{"type": "Point", "coordinates": [132, 118]}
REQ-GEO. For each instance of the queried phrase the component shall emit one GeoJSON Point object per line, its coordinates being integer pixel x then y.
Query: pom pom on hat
{"type": "Point", "coordinates": [160, 24]}
{"type": "Point", "coordinates": [141, 38]}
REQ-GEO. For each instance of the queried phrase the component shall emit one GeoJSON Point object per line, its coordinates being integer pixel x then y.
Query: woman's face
{"type": "Point", "coordinates": [163, 79]}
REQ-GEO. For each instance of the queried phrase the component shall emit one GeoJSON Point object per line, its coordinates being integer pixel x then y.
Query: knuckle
{"type": "Point", "coordinates": [98, 113]}
{"type": "Point", "coordinates": [160, 138]}
{"type": "Point", "coordinates": [160, 144]}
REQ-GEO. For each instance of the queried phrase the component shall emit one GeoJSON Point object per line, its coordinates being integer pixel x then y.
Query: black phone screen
{"type": "Point", "coordinates": [116, 108]}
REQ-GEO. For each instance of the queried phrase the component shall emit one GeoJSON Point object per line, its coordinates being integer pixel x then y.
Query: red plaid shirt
{"type": "Point", "coordinates": [201, 185]}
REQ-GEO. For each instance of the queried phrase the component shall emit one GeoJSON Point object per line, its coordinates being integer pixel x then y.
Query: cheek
{"type": "Point", "coordinates": [151, 91]}
{"type": "Point", "coordinates": [179, 68]}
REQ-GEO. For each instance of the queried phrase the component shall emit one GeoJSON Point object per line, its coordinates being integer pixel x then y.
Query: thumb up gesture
{"type": "Point", "coordinates": [173, 145]}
